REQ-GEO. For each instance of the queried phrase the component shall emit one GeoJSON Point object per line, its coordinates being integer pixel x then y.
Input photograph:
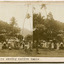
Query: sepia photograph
{"type": "Point", "coordinates": [48, 25]}
{"type": "Point", "coordinates": [16, 29]}
{"type": "Point", "coordinates": [32, 31]}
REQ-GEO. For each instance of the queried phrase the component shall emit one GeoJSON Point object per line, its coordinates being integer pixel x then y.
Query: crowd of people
{"type": "Point", "coordinates": [28, 45]}
{"type": "Point", "coordinates": [51, 44]}
{"type": "Point", "coordinates": [14, 43]}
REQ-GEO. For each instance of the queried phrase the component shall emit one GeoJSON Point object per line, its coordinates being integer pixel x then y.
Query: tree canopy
{"type": "Point", "coordinates": [8, 30]}
{"type": "Point", "coordinates": [47, 28]}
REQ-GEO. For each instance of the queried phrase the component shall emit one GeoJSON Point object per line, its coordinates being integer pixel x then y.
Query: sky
{"type": "Point", "coordinates": [17, 10]}
{"type": "Point", "coordinates": [57, 11]}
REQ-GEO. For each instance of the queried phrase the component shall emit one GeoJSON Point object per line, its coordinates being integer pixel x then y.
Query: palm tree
{"type": "Point", "coordinates": [27, 16]}
{"type": "Point", "coordinates": [13, 21]}
{"type": "Point", "coordinates": [44, 6]}
{"type": "Point", "coordinates": [33, 8]}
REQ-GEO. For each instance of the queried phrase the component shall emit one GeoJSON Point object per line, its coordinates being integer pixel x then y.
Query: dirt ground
{"type": "Point", "coordinates": [22, 53]}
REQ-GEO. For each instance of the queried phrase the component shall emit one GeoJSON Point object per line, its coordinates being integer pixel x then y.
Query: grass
{"type": "Point", "coordinates": [22, 53]}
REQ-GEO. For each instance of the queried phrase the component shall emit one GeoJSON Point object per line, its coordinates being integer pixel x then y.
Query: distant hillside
{"type": "Point", "coordinates": [26, 32]}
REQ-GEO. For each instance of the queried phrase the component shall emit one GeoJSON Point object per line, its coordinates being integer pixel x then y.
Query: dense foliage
{"type": "Point", "coordinates": [8, 30]}
{"type": "Point", "coordinates": [48, 28]}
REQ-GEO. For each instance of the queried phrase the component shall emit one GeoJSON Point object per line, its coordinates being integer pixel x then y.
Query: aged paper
{"type": "Point", "coordinates": [31, 31]}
